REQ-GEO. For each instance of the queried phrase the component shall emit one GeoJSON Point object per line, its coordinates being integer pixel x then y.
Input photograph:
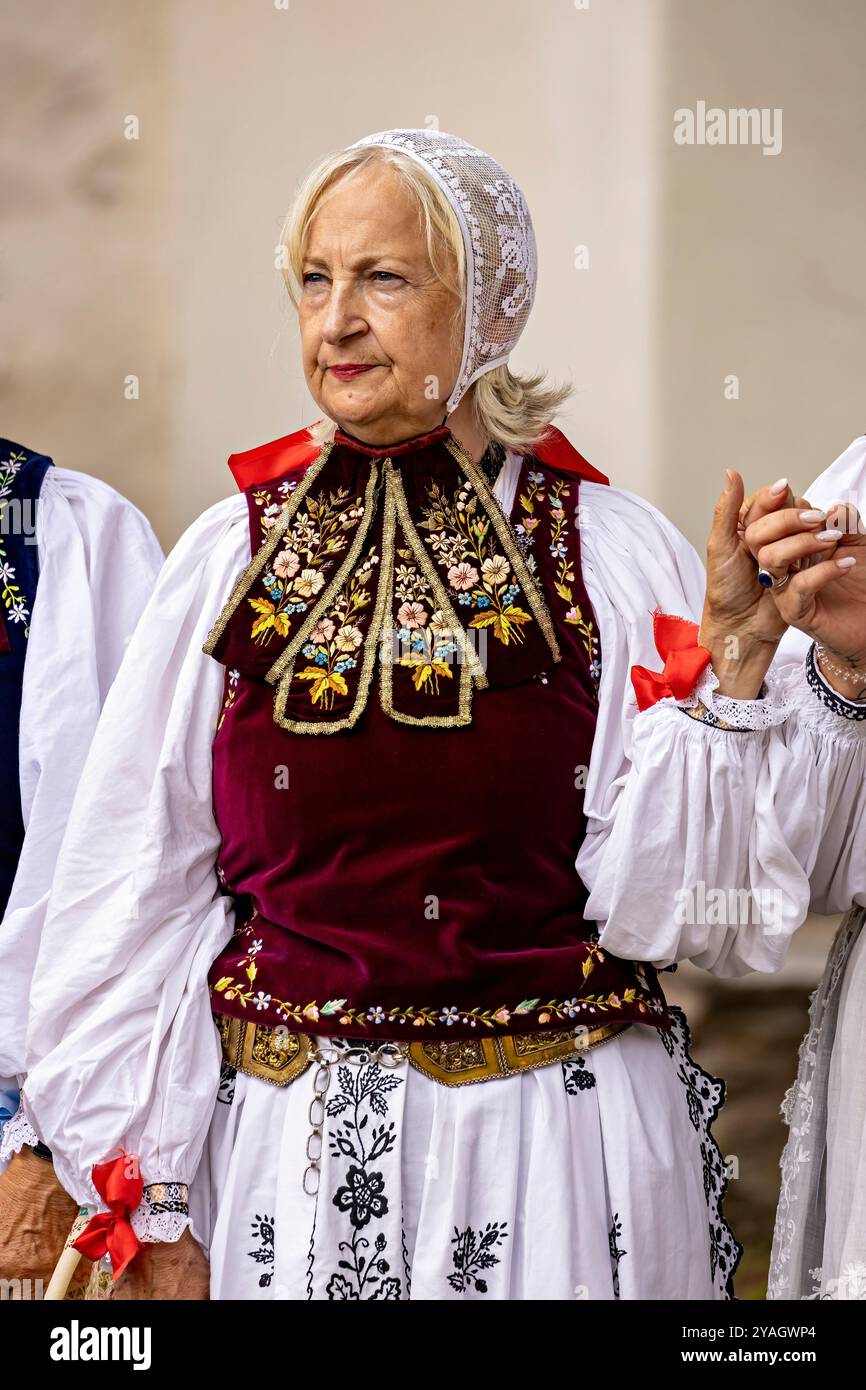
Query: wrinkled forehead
{"type": "Point", "coordinates": [366, 217]}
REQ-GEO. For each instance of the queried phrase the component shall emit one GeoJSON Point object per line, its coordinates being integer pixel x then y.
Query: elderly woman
{"type": "Point", "coordinates": [352, 954]}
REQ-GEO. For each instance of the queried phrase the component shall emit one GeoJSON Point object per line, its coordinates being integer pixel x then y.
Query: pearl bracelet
{"type": "Point", "coordinates": [847, 673]}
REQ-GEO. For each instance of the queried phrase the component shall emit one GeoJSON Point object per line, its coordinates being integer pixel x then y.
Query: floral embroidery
{"type": "Point", "coordinates": [616, 1254]}
{"type": "Point", "coordinates": [226, 1092]}
{"type": "Point", "coordinates": [473, 1253]}
{"type": "Point", "coordinates": [479, 577]}
{"type": "Point", "coordinates": [577, 1075]}
{"type": "Point", "coordinates": [554, 492]}
{"type": "Point", "coordinates": [336, 637]}
{"type": "Point", "coordinates": [420, 1016]}
{"type": "Point", "coordinates": [263, 1232]}
{"type": "Point", "coordinates": [427, 636]}
{"type": "Point", "coordinates": [297, 572]}
{"type": "Point", "coordinates": [13, 601]}
{"type": "Point", "coordinates": [272, 504]}
{"type": "Point", "coordinates": [326, 608]}
{"type": "Point", "coordinates": [362, 1196]}
{"type": "Point", "coordinates": [231, 694]}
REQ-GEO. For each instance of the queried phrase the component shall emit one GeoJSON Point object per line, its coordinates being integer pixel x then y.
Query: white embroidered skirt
{"type": "Point", "coordinates": [589, 1178]}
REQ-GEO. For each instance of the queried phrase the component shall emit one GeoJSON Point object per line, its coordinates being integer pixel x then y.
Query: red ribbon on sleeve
{"type": "Point", "coordinates": [676, 642]}
{"type": "Point", "coordinates": [110, 1231]}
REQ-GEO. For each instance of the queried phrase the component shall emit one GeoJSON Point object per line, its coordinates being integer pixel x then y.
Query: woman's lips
{"type": "Point", "coordinates": [347, 373]}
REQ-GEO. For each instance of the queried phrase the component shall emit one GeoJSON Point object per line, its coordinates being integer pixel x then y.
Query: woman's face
{"type": "Point", "coordinates": [369, 296]}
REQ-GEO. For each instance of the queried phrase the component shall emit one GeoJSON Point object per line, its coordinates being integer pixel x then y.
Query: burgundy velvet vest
{"type": "Point", "coordinates": [407, 879]}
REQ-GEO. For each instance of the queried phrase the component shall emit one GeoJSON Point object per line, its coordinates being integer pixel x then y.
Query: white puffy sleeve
{"type": "Point", "coordinates": [121, 1047]}
{"type": "Point", "coordinates": [681, 814]}
{"type": "Point", "coordinates": [98, 561]}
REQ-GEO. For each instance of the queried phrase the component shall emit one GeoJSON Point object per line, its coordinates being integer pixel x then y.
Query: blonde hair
{"type": "Point", "coordinates": [515, 411]}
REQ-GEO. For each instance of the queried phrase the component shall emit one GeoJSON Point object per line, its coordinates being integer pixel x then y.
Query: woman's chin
{"type": "Point", "coordinates": [354, 407]}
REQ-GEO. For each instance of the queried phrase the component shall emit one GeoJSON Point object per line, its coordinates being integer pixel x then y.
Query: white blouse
{"type": "Point", "coordinates": [98, 561]}
{"type": "Point", "coordinates": [121, 1048]}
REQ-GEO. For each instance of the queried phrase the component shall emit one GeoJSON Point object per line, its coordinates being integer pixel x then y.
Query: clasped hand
{"type": "Point", "coordinates": [825, 595]}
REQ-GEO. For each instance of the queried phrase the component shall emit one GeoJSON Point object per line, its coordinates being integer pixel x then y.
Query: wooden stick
{"type": "Point", "coordinates": [69, 1260]}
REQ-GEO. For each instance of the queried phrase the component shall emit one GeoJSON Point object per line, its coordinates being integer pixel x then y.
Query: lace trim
{"type": "Point", "coordinates": [163, 1212]}
{"type": "Point", "coordinates": [797, 1111]}
{"type": "Point", "coordinates": [706, 1095]}
{"type": "Point", "coordinates": [17, 1133]}
{"type": "Point", "coordinates": [737, 716]}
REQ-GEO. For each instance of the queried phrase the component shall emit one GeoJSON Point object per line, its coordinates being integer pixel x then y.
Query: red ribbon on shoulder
{"type": "Point", "coordinates": [110, 1231]}
{"type": "Point", "coordinates": [676, 642]}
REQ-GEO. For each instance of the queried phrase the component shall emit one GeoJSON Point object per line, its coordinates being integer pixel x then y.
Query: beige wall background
{"type": "Point", "coordinates": [153, 257]}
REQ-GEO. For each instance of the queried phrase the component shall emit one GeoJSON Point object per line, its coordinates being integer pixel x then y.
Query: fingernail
{"type": "Point", "coordinates": [780, 486]}
{"type": "Point", "coordinates": [846, 563]}
{"type": "Point", "coordinates": [813, 515]}
{"type": "Point", "coordinates": [729, 480]}
{"type": "Point", "coordinates": [831, 534]}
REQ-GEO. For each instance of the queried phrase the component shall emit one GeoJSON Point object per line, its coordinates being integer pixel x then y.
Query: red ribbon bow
{"type": "Point", "coordinates": [110, 1230]}
{"type": "Point", "coordinates": [676, 641]}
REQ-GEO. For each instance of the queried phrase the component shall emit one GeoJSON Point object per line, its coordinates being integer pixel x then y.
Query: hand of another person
{"type": "Point", "coordinates": [741, 625]}
{"type": "Point", "coordinates": [825, 596]}
{"type": "Point", "coordinates": [166, 1271]}
{"type": "Point", "coordinates": [36, 1216]}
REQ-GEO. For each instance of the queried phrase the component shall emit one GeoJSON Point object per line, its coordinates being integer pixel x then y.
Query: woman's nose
{"type": "Point", "coordinates": [342, 317]}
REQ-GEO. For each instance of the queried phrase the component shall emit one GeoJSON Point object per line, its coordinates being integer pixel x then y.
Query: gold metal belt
{"type": "Point", "coordinates": [277, 1056]}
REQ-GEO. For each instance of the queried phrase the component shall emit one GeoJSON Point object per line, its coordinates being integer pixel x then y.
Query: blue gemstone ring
{"type": "Point", "coordinates": [767, 580]}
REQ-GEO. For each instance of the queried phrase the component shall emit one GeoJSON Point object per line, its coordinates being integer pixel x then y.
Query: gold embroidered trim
{"type": "Point", "coordinates": [334, 584]}
{"type": "Point", "coordinates": [277, 1056]}
{"type": "Point", "coordinates": [472, 672]}
{"type": "Point", "coordinates": [264, 553]}
{"type": "Point", "coordinates": [502, 526]}
{"type": "Point", "coordinates": [470, 664]}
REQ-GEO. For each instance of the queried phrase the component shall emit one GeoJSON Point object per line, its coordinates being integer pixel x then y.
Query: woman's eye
{"type": "Point", "coordinates": [389, 275]}
{"type": "Point", "coordinates": [311, 275]}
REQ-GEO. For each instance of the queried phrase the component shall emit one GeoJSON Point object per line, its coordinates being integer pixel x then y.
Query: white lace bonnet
{"type": "Point", "coordinates": [501, 255]}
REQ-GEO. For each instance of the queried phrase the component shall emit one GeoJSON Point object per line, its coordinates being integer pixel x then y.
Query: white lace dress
{"type": "Point", "coordinates": [819, 1242]}
{"type": "Point", "coordinates": [595, 1178]}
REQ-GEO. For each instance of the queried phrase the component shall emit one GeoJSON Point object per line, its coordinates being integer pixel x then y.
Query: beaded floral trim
{"type": "Point", "coordinates": [10, 592]}
{"type": "Point", "coordinates": [244, 991]}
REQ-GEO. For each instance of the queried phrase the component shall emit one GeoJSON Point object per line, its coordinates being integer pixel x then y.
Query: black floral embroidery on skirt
{"type": "Point", "coordinates": [578, 1076]}
{"type": "Point", "coordinates": [226, 1092]}
{"type": "Point", "coordinates": [616, 1254]}
{"type": "Point", "coordinates": [263, 1232]}
{"type": "Point", "coordinates": [473, 1253]}
{"type": "Point", "coordinates": [364, 1272]}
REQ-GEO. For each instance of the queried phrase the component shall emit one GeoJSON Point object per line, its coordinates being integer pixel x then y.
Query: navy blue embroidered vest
{"type": "Point", "coordinates": [22, 473]}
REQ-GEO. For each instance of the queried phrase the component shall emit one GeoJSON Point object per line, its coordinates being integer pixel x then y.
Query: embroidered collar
{"type": "Point", "coordinates": [400, 553]}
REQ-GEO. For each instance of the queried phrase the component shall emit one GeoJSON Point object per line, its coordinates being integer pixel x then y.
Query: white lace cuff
{"type": "Point", "coordinates": [17, 1132]}
{"type": "Point", "coordinates": [737, 716]}
{"type": "Point", "coordinates": [162, 1214]}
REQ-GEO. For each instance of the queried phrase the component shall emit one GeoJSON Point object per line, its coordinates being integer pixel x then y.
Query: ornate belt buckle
{"type": "Point", "coordinates": [274, 1055]}
{"type": "Point", "coordinates": [463, 1061]}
